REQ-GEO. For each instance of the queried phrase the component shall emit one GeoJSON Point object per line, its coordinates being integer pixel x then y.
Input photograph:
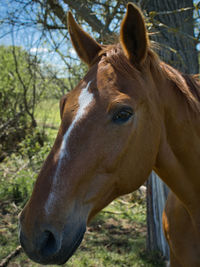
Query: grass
{"type": "Point", "coordinates": [116, 237]}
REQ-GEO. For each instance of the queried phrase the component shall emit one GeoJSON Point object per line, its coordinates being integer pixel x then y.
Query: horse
{"type": "Point", "coordinates": [129, 115]}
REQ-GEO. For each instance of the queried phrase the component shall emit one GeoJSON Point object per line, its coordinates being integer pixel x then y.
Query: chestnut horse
{"type": "Point", "coordinates": [130, 114]}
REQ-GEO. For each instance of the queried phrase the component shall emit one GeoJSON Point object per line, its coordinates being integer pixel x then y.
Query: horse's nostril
{"type": "Point", "coordinates": [48, 244]}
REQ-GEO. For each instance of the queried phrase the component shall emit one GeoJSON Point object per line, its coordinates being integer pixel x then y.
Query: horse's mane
{"type": "Point", "coordinates": [187, 85]}
{"type": "Point", "coordinates": [193, 83]}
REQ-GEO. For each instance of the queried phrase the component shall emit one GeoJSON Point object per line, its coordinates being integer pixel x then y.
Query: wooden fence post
{"type": "Point", "coordinates": [157, 193]}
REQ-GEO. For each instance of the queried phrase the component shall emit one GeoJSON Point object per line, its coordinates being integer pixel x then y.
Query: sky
{"type": "Point", "coordinates": [29, 39]}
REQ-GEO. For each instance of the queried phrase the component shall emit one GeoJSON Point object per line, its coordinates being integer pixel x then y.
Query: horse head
{"type": "Point", "coordinates": [106, 144]}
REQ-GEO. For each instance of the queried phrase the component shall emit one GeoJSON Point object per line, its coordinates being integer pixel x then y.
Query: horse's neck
{"type": "Point", "coordinates": [178, 161]}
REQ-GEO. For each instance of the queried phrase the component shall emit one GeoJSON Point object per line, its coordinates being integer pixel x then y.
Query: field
{"type": "Point", "coordinates": [116, 237]}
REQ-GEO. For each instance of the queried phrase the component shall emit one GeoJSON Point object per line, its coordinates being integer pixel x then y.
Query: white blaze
{"type": "Point", "coordinates": [85, 98]}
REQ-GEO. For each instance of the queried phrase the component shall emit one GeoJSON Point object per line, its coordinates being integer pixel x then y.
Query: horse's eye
{"type": "Point", "coordinates": [122, 115]}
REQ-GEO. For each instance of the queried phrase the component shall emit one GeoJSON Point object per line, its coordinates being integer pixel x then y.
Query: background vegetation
{"type": "Point", "coordinates": [36, 69]}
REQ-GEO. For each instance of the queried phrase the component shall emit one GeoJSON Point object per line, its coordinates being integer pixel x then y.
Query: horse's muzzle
{"type": "Point", "coordinates": [52, 247]}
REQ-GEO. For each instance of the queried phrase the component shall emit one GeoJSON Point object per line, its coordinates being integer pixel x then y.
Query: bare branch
{"type": "Point", "coordinates": [88, 16]}
{"type": "Point", "coordinates": [13, 254]}
{"type": "Point", "coordinates": [58, 10]}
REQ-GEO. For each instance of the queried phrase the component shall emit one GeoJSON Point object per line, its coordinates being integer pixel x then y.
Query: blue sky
{"type": "Point", "coordinates": [29, 38]}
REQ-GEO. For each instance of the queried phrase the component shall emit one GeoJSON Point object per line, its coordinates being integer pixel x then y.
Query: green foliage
{"type": "Point", "coordinates": [16, 103]}
{"type": "Point", "coordinates": [19, 170]}
{"type": "Point", "coordinates": [23, 84]}
{"type": "Point", "coordinates": [13, 96]}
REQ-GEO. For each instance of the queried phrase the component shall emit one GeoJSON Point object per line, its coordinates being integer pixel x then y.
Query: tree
{"type": "Point", "coordinates": [23, 82]}
{"type": "Point", "coordinates": [17, 101]}
{"type": "Point", "coordinates": [101, 18]}
{"type": "Point", "coordinates": [174, 23]}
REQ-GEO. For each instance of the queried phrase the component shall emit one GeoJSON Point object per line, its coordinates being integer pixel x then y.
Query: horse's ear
{"type": "Point", "coordinates": [133, 35]}
{"type": "Point", "coordinates": [86, 47]}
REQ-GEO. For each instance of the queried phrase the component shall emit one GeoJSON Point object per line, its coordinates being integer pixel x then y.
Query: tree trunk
{"type": "Point", "coordinates": [177, 48]}
{"type": "Point", "coordinates": [174, 24]}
